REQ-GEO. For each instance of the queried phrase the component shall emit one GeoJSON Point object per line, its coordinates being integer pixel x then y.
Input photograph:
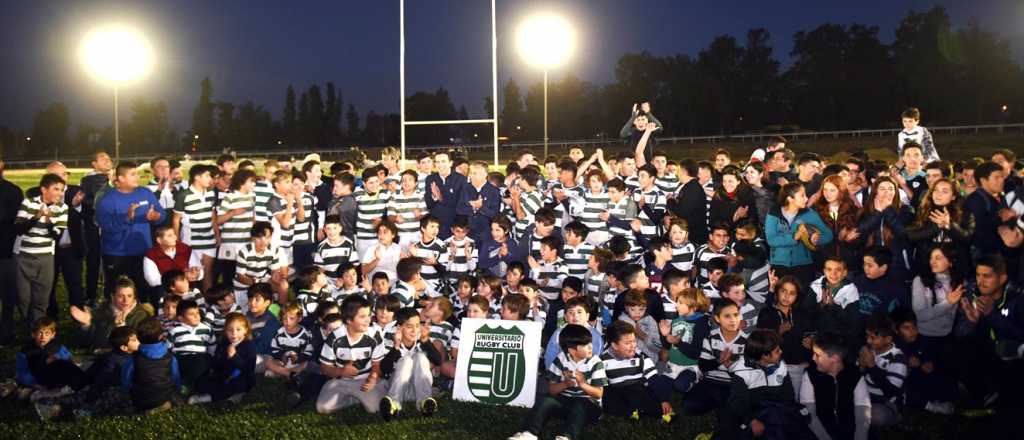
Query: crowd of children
{"type": "Point", "coordinates": [791, 297]}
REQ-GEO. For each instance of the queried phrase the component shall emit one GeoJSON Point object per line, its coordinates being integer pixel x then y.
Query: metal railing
{"type": "Point", "coordinates": [337, 153]}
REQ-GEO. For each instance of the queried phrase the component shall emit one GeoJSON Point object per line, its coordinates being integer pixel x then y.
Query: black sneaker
{"type": "Point", "coordinates": [388, 409]}
{"type": "Point", "coordinates": [428, 406]}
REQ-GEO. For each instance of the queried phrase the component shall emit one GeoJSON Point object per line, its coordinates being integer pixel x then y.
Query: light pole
{"type": "Point", "coordinates": [545, 41]}
{"type": "Point", "coordinates": [117, 55]}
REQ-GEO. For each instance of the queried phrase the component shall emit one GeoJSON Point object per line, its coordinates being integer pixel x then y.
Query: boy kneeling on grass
{"type": "Point", "coordinates": [577, 385]}
{"type": "Point", "coordinates": [350, 359]}
{"type": "Point", "coordinates": [408, 365]}
{"type": "Point", "coordinates": [43, 366]}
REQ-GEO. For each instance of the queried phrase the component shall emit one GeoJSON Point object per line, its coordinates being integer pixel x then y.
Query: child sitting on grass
{"type": "Point", "coordinates": [312, 284]}
{"type": "Point", "coordinates": [263, 324]}
{"type": "Point", "coordinates": [578, 379]}
{"type": "Point", "coordinates": [630, 375]}
{"type": "Point", "coordinates": [383, 327]}
{"type": "Point", "coordinates": [233, 368]}
{"type": "Point", "coordinates": [351, 360]}
{"type": "Point", "coordinates": [648, 339]}
{"type": "Point", "coordinates": [43, 366]}
{"type": "Point", "coordinates": [168, 315]}
{"type": "Point", "coordinates": [577, 311]}
{"type": "Point", "coordinates": [103, 396]}
{"type": "Point", "coordinates": [151, 376]}
{"type": "Point", "coordinates": [292, 345]}
{"type": "Point", "coordinates": [408, 366]}
{"type": "Point", "coordinates": [885, 368]}
{"type": "Point", "coordinates": [719, 353]}
{"type": "Point", "coordinates": [220, 302]}
{"type": "Point", "coordinates": [686, 334]}
{"type": "Point", "coordinates": [192, 343]}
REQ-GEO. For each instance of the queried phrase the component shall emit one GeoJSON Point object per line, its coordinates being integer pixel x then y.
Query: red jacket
{"type": "Point", "coordinates": [182, 254]}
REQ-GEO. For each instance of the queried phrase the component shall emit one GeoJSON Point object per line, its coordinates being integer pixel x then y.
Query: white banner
{"type": "Point", "coordinates": [498, 362]}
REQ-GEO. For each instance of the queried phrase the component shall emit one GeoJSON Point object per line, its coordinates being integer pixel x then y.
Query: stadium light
{"type": "Point", "coordinates": [116, 55]}
{"type": "Point", "coordinates": [545, 40]}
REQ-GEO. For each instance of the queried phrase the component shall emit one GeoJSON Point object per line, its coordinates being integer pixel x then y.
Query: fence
{"type": "Point", "coordinates": [753, 138]}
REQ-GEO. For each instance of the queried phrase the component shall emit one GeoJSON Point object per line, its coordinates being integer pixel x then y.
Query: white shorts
{"type": "Point", "coordinates": [212, 253]}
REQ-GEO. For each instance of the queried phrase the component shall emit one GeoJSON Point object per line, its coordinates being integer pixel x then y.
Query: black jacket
{"type": "Point", "coordinates": [10, 202]}
{"type": "Point", "coordinates": [689, 204]}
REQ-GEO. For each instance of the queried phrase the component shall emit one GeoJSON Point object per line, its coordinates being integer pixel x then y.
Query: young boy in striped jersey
{"type": "Point", "coordinates": [565, 194]}
{"type": "Point", "coordinates": [383, 327]}
{"type": "Point", "coordinates": [651, 202]}
{"type": "Point", "coordinates": [619, 214]}
{"type": "Point", "coordinates": [408, 365]}
{"type": "Point", "coordinates": [731, 287]}
{"type": "Point", "coordinates": [436, 315]}
{"type": "Point", "coordinates": [284, 209]}
{"type": "Point", "coordinates": [576, 253]}
{"type": "Point", "coordinates": [660, 257]}
{"type": "Point", "coordinates": [461, 250]}
{"type": "Point", "coordinates": [885, 368]}
{"type": "Point", "coordinates": [682, 249]}
{"type": "Point", "coordinates": [526, 199]}
{"type": "Point", "coordinates": [351, 361]}
{"type": "Point", "coordinates": [371, 210]}
{"type": "Point", "coordinates": [549, 271]}
{"type": "Point", "coordinates": [410, 285]}
{"type": "Point", "coordinates": [305, 226]}
{"type": "Point", "coordinates": [433, 255]}
{"type": "Point", "coordinates": [630, 374]}
{"type": "Point", "coordinates": [578, 379]}
{"type": "Point", "coordinates": [667, 181]}
{"type": "Point", "coordinates": [595, 279]}
{"type": "Point", "coordinates": [38, 225]}
{"type": "Point", "coordinates": [220, 301]}
{"type": "Point", "coordinates": [592, 204]}
{"type": "Point", "coordinates": [194, 218]}
{"type": "Point", "coordinates": [264, 189]}
{"type": "Point", "coordinates": [716, 268]}
{"type": "Point", "coordinates": [406, 209]}
{"type": "Point", "coordinates": [752, 261]}
{"type": "Point", "coordinates": [235, 218]}
{"type": "Point", "coordinates": [291, 347]}
{"type": "Point", "coordinates": [537, 307]}
{"type": "Point", "coordinates": [716, 247]}
{"type": "Point", "coordinates": [673, 282]}
{"type": "Point", "coordinates": [335, 251]}
{"type": "Point", "coordinates": [719, 353]}
{"type": "Point", "coordinates": [192, 342]}
{"type": "Point", "coordinates": [424, 166]}
{"type": "Point", "coordinates": [261, 262]}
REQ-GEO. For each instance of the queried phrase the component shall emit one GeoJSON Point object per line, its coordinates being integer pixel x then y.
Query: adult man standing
{"type": "Point", "coordinates": [162, 185]}
{"type": "Point", "coordinates": [92, 184]}
{"type": "Point", "coordinates": [10, 202]}
{"type": "Point", "coordinates": [480, 201]}
{"type": "Point", "coordinates": [125, 213]}
{"type": "Point", "coordinates": [445, 189]}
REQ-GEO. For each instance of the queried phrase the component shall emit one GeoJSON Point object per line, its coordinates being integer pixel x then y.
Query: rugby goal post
{"type": "Point", "coordinates": [494, 85]}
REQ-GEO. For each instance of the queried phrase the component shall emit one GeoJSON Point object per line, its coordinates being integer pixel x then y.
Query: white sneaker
{"type": "Point", "coordinates": [945, 408]}
{"type": "Point", "coordinates": [199, 398]}
{"type": "Point", "coordinates": [561, 437]}
{"type": "Point", "coordinates": [524, 435]}
{"type": "Point", "coordinates": [52, 394]}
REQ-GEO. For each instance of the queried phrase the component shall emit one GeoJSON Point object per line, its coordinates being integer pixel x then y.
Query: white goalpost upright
{"type": "Point", "coordinates": [494, 84]}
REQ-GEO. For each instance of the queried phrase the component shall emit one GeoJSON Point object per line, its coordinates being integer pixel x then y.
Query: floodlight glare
{"type": "Point", "coordinates": [116, 54]}
{"type": "Point", "coordinates": [545, 40]}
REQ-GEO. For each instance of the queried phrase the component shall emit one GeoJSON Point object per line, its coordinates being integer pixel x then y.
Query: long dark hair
{"type": "Point", "coordinates": [955, 208]}
{"type": "Point", "coordinates": [956, 276]}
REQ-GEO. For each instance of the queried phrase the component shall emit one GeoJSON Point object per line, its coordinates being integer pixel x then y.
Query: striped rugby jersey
{"type": "Point", "coordinates": [404, 206]}
{"type": "Point", "coordinates": [283, 237]}
{"type": "Point", "coordinates": [682, 256]}
{"type": "Point", "coordinates": [214, 317]}
{"type": "Point", "coordinates": [597, 288]}
{"type": "Point", "coordinates": [41, 237]}
{"type": "Point", "coordinates": [555, 273]}
{"type": "Point", "coordinates": [370, 207]}
{"type": "Point", "coordinates": [890, 366]}
{"type": "Point", "coordinates": [405, 293]}
{"type": "Point", "coordinates": [185, 339]}
{"type": "Point", "coordinates": [576, 258]}
{"type": "Point", "coordinates": [714, 345]}
{"type": "Point", "coordinates": [756, 377]}
{"type": "Point", "coordinates": [339, 350]}
{"type": "Point", "coordinates": [530, 202]}
{"type": "Point", "coordinates": [237, 230]}
{"type": "Point", "coordinates": [667, 183]}
{"type": "Point", "coordinates": [459, 263]}
{"type": "Point", "coordinates": [331, 256]}
{"type": "Point", "coordinates": [636, 369]}
{"type": "Point", "coordinates": [655, 201]}
{"type": "Point", "coordinates": [196, 211]}
{"type": "Point", "coordinates": [309, 300]}
{"type": "Point", "coordinates": [303, 231]}
{"type": "Point", "coordinates": [299, 343]}
{"type": "Point", "coordinates": [705, 254]}
{"type": "Point", "coordinates": [259, 266]}
{"type": "Point", "coordinates": [572, 194]}
{"type": "Point", "coordinates": [443, 332]}
{"type": "Point", "coordinates": [430, 273]}
{"type": "Point", "coordinates": [668, 306]}
{"type": "Point", "coordinates": [592, 369]}
{"type": "Point", "coordinates": [385, 334]}
{"type": "Point", "coordinates": [263, 190]}
{"type": "Point", "coordinates": [632, 182]}
{"type": "Point", "coordinates": [590, 207]}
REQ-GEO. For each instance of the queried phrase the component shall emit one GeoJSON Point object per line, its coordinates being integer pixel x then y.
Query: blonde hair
{"type": "Point", "coordinates": [695, 299]}
{"type": "Point", "coordinates": [236, 316]}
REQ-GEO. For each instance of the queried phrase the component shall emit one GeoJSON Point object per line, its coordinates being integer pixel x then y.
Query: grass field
{"type": "Point", "coordinates": [263, 413]}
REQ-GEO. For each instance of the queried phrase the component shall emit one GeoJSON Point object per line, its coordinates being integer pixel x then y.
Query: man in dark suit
{"type": "Point", "coordinates": [71, 246]}
{"type": "Point", "coordinates": [443, 191]}
{"type": "Point", "coordinates": [92, 184]}
{"type": "Point", "coordinates": [479, 202]}
{"type": "Point", "coordinates": [10, 202]}
{"type": "Point", "coordinates": [689, 203]}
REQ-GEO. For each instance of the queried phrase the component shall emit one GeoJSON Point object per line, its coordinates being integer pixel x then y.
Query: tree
{"type": "Point", "coordinates": [352, 120]}
{"type": "Point", "coordinates": [288, 121]}
{"type": "Point", "coordinates": [315, 117]}
{"type": "Point", "coordinates": [50, 130]}
{"type": "Point", "coordinates": [202, 115]}
{"type": "Point", "coordinates": [303, 128]}
{"type": "Point", "coordinates": [332, 116]}
{"type": "Point", "coordinates": [148, 128]}
{"type": "Point", "coordinates": [512, 113]}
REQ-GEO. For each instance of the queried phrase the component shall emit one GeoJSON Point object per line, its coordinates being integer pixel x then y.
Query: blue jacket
{"type": "Point", "coordinates": [31, 355]}
{"type": "Point", "coordinates": [786, 251]}
{"type": "Point", "coordinates": [488, 257]}
{"type": "Point", "coordinates": [451, 192]}
{"type": "Point", "coordinates": [152, 351]}
{"type": "Point", "coordinates": [479, 220]}
{"type": "Point", "coordinates": [122, 237]}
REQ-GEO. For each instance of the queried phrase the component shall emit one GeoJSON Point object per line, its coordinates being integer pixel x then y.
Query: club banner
{"type": "Point", "coordinates": [497, 362]}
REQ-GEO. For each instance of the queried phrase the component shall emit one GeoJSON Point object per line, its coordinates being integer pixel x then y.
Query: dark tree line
{"type": "Point", "coordinates": [839, 77]}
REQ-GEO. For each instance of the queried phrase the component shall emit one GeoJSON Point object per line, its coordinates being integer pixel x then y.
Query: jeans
{"type": "Point", "coordinates": [34, 282]}
{"type": "Point", "coordinates": [577, 412]}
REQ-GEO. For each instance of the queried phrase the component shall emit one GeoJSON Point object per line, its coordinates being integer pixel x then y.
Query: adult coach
{"type": "Point", "coordinates": [95, 182]}
{"type": "Point", "coordinates": [125, 213]}
{"type": "Point", "coordinates": [444, 188]}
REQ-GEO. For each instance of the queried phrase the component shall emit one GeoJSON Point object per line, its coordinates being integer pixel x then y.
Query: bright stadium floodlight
{"type": "Point", "coordinates": [546, 41]}
{"type": "Point", "coordinates": [116, 55]}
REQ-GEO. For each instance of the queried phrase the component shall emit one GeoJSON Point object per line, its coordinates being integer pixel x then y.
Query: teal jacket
{"type": "Point", "coordinates": [785, 251]}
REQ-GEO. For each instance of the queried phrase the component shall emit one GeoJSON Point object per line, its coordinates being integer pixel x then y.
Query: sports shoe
{"type": "Point", "coordinates": [945, 408]}
{"type": "Point", "coordinates": [703, 436]}
{"type": "Point", "coordinates": [7, 388]}
{"type": "Point", "coordinates": [200, 398]}
{"type": "Point", "coordinates": [428, 406]}
{"type": "Point", "coordinates": [51, 394]}
{"type": "Point", "coordinates": [236, 398]}
{"type": "Point", "coordinates": [387, 408]}
{"type": "Point", "coordinates": [47, 410]}
{"type": "Point", "coordinates": [524, 435]}
{"type": "Point", "coordinates": [561, 437]}
{"type": "Point", "coordinates": [991, 398]}
{"type": "Point", "coordinates": [667, 418]}
{"type": "Point", "coordinates": [166, 406]}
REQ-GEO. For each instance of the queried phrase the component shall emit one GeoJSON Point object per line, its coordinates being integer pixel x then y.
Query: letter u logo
{"type": "Point", "coordinates": [503, 378]}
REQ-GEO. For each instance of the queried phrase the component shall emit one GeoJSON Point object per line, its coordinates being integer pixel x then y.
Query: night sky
{"type": "Point", "coordinates": [254, 49]}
